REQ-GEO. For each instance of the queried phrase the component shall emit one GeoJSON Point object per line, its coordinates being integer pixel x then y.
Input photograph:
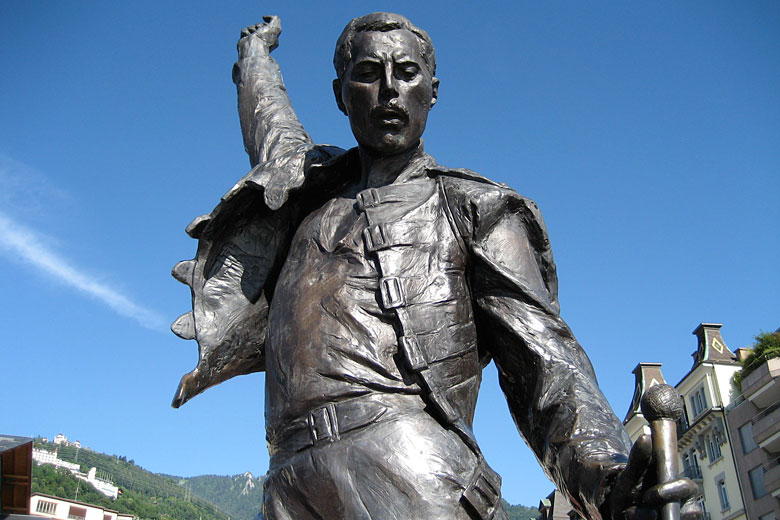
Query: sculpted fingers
{"type": "Point", "coordinates": [270, 31]}
{"type": "Point", "coordinates": [261, 38]}
{"type": "Point", "coordinates": [680, 490]}
{"type": "Point", "coordinates": [626, 492]}
{"type": "Point", "coordinates": [691, 511]}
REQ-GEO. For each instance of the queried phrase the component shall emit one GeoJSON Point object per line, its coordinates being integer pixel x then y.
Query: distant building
{"type": "Point", "coordinates": [60, 439]}
{"type": "Point", "coordinates": [557, 507]}
{"type": "Point", "coordinates": [754, 424]}
{"type": "Point", "coordinates": [103, 485]}
{"type": "Point", "coordinates": [41, 456]}
{"type": "Point", "coordinates": [48, 506]}
{"type": "Point", "coordinates": [15, 474]}
{"type": "Point", "coordinates": [706, 453]}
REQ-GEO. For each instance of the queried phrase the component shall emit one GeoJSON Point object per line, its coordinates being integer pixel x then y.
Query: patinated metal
{"type": "Point", "coordinates": [372, 286]}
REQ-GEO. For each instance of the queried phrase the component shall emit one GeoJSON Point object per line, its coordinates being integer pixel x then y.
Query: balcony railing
{"type": "Point", "coordinates": [692, 472]}
{"type": "Point", "coordinates": [766, 424]}
{"type": "Point", "coordinates": [772, 475]}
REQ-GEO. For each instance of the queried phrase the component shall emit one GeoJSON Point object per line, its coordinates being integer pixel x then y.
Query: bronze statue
{"type": "Point", "coordinates": [372, 286]}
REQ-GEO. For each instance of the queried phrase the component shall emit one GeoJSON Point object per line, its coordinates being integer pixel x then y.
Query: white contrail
{"type": "Point", "coordinates": [28, 245]}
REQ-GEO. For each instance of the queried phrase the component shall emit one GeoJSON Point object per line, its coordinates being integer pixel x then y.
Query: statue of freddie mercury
{"type": "Point", "coordinates": [372, 286]}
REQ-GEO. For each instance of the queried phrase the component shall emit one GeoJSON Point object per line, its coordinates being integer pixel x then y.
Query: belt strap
{"type": "Point", "coordinates": [327, 423]}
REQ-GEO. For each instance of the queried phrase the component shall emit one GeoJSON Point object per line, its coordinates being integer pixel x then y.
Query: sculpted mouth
{"type": "Point", "coordinates": [389, 116]}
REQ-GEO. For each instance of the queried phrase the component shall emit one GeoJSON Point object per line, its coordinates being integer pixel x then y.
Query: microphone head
{"type": "Point", "coordinates": [661, 402]}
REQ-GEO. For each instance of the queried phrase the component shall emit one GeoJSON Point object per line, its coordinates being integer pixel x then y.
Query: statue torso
{"type": "Point", "coordinates": [332, 334]}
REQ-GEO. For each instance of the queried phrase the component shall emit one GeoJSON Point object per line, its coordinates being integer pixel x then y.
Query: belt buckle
{"type": "Point", "coordinates": [392, 292]}
{"type": "Point", "coordinates": [484, 491]}
{"type": "Point", "coordinates": [322, 424]}
{"type": "Point", "coordinates": [368, 199]}
{"type": "Point", "coordinates": [375, 238]}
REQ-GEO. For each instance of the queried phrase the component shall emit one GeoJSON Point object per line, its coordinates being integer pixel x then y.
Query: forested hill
{"type": "Point", "coordinates": [520, 512]}
{"type": "Point", "coordinates": [240, 496]}
{"type": "Point", "coordinates": [147, 495]}
{"type": "Point", "coordinates": [154, 496]}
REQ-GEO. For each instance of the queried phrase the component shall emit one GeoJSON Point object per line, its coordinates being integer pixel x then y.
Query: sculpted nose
{"type": "Point", "coordinates": [387, 89]}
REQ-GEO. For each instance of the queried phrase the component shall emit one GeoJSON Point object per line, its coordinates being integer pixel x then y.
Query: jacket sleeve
{"type": "Point", "coordinates": [242, 243]}
{"type": "Point", "coordinates": [547, 378]}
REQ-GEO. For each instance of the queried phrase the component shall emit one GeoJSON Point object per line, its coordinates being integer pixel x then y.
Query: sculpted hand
{"type": "Point", "coordinates": [637, 495]}
{"type": "Point", "coordinates": [260, 39]}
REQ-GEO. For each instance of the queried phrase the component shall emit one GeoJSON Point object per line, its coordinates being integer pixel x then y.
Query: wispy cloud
{"type": "Point", "coordinates": [34, 249]}
{"type": "Point", "coordinates": [26, 191]}
{"type": "Point", "coordinates": [29, 246]}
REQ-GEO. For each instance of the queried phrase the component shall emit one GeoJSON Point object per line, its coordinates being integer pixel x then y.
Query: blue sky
{"type": "Point", "coordinates": [648, 133]}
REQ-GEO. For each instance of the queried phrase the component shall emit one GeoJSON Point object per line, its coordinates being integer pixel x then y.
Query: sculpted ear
{"type": "Point", "coordinates": [435, 95]}
{"type": "Point", "coordinates": [337, 93]}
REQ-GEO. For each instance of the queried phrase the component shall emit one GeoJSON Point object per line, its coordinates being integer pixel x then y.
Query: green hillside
{"type": "Point", "coordinates": [240, 496]}
{"type": "Point", "coordinates": [147, 495]}
{"type": "Point", "coordinates": [520, 512]}
{"type": "Point", "coordinates": [153, 496]}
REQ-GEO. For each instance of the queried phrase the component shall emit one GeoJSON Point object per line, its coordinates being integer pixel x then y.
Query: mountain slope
{"type": "Point", "coordinates": [147, 495]}
{"type": "Point", "coordinates": [240, 496]}
{"type": "Point", "coordinates": [153, 496]}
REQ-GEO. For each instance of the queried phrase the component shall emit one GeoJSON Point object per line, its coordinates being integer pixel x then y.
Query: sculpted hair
{"type": "Point", "coordinates": [381, 22]}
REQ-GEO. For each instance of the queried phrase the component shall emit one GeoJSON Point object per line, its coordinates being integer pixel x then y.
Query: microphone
{"type": "Point", "coordinates": [661, 405]}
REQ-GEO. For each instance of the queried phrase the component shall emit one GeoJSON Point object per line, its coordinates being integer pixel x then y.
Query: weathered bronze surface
{"type": "Point", "coordinates": [372, 286]}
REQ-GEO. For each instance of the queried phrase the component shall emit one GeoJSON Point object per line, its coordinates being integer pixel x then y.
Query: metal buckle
{"type": "Point", "coordinates": [484, 491]}
{"type": "Point", "coordinates": [368, 199]}
{"type": "Point", "coordinates": [414, 354]}
{"type": "Point", "coordinates": [322, 423]}
{"type": "Point", "coordinates": [392, 293]}
{"type": "Point", "coordinates": [375, 237]}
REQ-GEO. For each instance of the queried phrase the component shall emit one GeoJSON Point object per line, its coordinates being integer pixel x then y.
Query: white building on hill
{"type": "Point", "coordinates": [55, 508]}
{"type": "Point", "coordinates": [103, 485]}
{"type": "Point", "coordinates": [42, 456]}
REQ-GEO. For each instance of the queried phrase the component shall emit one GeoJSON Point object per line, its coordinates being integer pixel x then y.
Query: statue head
{"type": "Point", "coordinates": [386, 84]}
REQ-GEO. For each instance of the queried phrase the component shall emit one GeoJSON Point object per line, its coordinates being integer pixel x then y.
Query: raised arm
{"type": "Point", "coordinates": [269, 124]}
{"type": "Point", "coordinates": [242, 243]}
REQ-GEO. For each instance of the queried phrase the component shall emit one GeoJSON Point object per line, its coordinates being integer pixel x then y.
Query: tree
{"type": "Point", "coordinates": [766, 347]}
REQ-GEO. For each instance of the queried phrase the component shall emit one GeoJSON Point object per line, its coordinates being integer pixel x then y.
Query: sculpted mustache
{"type": "Point", "coordinates": [395, 111]}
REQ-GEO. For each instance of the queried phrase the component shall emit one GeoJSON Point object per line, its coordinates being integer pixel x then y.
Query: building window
{"type": "Point", "coordinates": [698, 401]}
{"type": "Point", "coordinates": [77, 513]}
{"type": "Point", "coordinates": [723, 495]}
{"type": "Point", "coordinates": [713, 449]}
{"type": "Point", "coordinates": [46, 507]}
{"type": "Point", "coordinates": [682, 422]}
{"type": "Point", "coordinates": [757, 482]}
{"type": "Point", "coordinates": [746, 438]}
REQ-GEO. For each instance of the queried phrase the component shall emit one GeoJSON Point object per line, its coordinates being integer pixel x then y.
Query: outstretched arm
{"type": "Point", "coordinates": [548, 380]}
{"type": "Point", "coordinates": [270, 127]}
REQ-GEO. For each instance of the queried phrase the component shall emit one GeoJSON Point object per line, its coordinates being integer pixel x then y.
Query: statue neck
{"type": "Point", "coordinates": [381, 170]}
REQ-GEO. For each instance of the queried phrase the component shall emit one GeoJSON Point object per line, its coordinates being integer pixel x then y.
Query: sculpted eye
{"type": "Point", "coordinates": [366, 72]}
{"type": "Point", "coordinates": [406, 71]}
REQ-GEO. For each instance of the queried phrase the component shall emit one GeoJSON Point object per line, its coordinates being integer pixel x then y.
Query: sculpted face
{"type": "Point", "coordinates": [386, 91]}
